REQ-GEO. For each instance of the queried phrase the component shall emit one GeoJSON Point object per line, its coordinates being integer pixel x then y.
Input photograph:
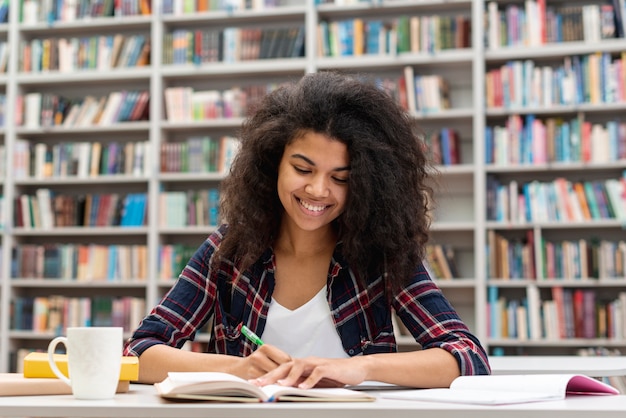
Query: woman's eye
{"type": "Point", "coordinates": [340, 180]}
{"type": "Point", "coordinates": [301, 170]}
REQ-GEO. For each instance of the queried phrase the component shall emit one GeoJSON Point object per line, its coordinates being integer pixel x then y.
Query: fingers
{"type": "Point", "coordinates": [265, 359]}
{"type": "Point", "coordinates": [314, 372]}
{"type": "Point", "coordinates": [275, 354]}
{"type": "Point", "coordinates": [303, 373]}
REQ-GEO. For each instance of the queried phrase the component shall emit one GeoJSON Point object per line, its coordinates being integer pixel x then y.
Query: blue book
{"type": "Point", "coordinates": [512, 318]}
{"type": "Point", "coordinates": [112, 263]}
{"type": "Point", "coordinates": [324, 38]}
{"type": "Point", "coordinates": [565, 141]}
{"type": "Point", "coordinates": [592, 203]}
{"type": "Point", "coordinates": [494, 313]}
{"type": "Point", "coordinates": [602, 200]}
{"type": "Point", "coordinates": [139, 209]}
{"type": "Point", "coordinates": [372, 37]}
{"type": "Point", "coordinates": [558, 141]}
{"type": "Point", "coordinates": [585, 80]}
{"type": "Point", "coordinates": [526, 152]}
{"type": "Point", "coordinates": [4, 11]}
{"type": "Point", "coordinates": [605, 64]}
{"type": "Point", "coordinates": [126, 210]}
{"type": "Point", "coordinates": [346, 37]}
{"type": "Point", "coordinates": [578, 71]}
{"type": "Point", "coordinates": [489, 145]}
{"type": "Point", "coordinates": [214, 198]}
{"type": "Point", "coordinates": [445, 147]}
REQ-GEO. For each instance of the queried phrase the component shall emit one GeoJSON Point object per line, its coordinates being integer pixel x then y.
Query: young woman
{"type": "Point", "coordinates": [326, 221]}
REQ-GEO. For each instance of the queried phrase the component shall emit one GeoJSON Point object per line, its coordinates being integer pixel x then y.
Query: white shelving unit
{"type": "Point", "coordinates": [459, 217]}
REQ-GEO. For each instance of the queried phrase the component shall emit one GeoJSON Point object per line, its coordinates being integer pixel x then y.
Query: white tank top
{"type": "Point", "coordinates": [306, 331]}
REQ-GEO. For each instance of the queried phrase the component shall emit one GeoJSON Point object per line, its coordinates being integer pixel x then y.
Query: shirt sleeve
{"type": "Point", "coordinates": [433, 322]}
{"type": "Point", "coordinates": [183, 310]}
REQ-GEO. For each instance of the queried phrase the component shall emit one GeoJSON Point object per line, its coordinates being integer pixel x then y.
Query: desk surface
{"type": "Point", "coordinates": [594, 366]}
{"type": "Point", "coordinates": [142, 401]}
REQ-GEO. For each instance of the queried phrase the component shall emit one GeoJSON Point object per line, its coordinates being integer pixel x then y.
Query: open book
{"type": "Point", "coordinates": [508, 389]}
{"type": "Point", "coordinates": [224, 387]}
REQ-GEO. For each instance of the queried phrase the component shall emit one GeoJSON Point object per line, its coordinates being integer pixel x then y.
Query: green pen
{"type": "Point", "coordinates": [250, 335]}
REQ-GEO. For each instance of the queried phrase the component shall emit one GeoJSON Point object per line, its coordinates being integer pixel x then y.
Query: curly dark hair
{"type": "Point", "coordinates": [385, 225]}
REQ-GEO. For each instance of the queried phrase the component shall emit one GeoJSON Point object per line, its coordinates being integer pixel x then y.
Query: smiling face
{"type": "Point", "coordinates": [313, 181]}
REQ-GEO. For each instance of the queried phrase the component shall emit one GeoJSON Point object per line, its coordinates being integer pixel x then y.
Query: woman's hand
{"type": "Point", "coordinates": [263, 360]}
{"type": "Point", "coordinates": [315, 371]}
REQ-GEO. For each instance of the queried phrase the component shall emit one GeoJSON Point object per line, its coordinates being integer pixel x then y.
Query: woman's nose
{"type": "Point", "coordinates": [318, 186]}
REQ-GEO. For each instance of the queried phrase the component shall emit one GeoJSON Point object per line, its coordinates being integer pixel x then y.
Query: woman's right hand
{"type": "Point", "coordinates": [263, 360]}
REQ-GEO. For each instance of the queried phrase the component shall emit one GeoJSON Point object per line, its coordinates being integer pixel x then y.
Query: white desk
{"type": "Point", "coordinates": [142, 401]}
{"type": "Point", "coordinates": [594, 366]}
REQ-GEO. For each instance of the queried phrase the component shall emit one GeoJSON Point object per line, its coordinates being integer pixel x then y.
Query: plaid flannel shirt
{"type": "Point", "coordinates": [361, 315]}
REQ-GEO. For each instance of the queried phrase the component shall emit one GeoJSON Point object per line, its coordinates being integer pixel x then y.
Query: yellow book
{"type": "Point", "coordinates": [36, 365]}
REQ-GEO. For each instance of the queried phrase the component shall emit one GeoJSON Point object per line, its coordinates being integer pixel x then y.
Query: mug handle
{"type": "Point", "coordinates": [55, 369]}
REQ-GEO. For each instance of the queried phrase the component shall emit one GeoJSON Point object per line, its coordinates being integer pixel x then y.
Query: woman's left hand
{"type": "Point", "coordinates": [308, 372]}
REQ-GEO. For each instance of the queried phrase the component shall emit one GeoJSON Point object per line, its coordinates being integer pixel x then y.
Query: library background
{"type": "Point", "coordinates": [119, 120]}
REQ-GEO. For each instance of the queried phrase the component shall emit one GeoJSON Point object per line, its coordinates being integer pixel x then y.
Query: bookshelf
{"type": "Point", "coordinates": [454, 117]}
{"type": "Point", "coordinates": [567, 275]}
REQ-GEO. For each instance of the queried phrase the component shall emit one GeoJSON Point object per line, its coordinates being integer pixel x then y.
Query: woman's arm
{"type": "Point", "coordinates": [156, 361]}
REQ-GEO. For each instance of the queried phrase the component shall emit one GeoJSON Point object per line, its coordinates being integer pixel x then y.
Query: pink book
{"type": "Point", "coordinates": [509, 389]}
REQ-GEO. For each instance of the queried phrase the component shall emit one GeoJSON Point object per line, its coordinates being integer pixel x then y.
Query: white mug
{"type": "Point", "coordinates": [94, 356]}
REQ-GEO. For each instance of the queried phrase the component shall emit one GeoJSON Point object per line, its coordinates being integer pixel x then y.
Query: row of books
{"type": "Point", "coordinates": [47, 209]}
{"type": "Point", "coordinates": [199, 154]}
{"type": "Point", "coordinates": [79, 159]}
{"type": "Point", "coordinates": [534, 23]}
{"type": "Point", "coordinates": [189, 208]}
{"type": "Point", "coordinates": [582, 259]}
{"type": "Point", "coordinates": [56, 313]}
{"type": "Point", "coordinates": [594, 78]}
{"type": "Point", "coordinates": [233, 44]}
{"type": "Point", "coordinates": [402, 34]}
{"type": "Point", "coordinates": [102, 52]}
{"type": "Point", "coordinates": [530, 140]}
{"type": "Point", "coordinates": [563, 314]}
{"type": "Point", "coordinates": [34, 11]}
{"type": "Point", "coordinates": [184, 103]}
{"type": "Point", "coordinates": [560, 200]}
{"type": "Point", "coordinates": [172, 259]}
{"type": "Point", "coordinates": [37, 109]}
{"type": "Point", "coordinates": [424, 92]}
{"type": "Point", "coordinates": [511, 258]}
{"type": "Point", "coordinates": [80, 262]}
{"type": "Point", "coordinates": [443, 146]}
{"type": "Point", "coordinates": [441, 261]}
{"type": "Point", "coordinates": [181, 7]}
